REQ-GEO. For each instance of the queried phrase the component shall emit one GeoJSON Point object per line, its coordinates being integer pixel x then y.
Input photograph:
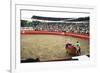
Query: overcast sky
{"type": "Point", "coordinates": [26, 15]}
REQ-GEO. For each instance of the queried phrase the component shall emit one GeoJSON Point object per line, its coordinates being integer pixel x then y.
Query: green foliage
{"type": "Point", "coordinates": [25, 23]}
{"type": "Point", "coordinates": [35, 23]}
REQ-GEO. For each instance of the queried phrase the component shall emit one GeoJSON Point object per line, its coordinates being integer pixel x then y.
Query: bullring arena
{"type": "Point", "coordinates": [47, 39]}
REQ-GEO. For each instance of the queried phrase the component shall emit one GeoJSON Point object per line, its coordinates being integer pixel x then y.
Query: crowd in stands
{"type": "Point", "coordinates": [81, 28]}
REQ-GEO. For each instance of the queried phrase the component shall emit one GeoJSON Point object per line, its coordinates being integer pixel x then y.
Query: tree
{"type": "Point", "coordinates": [23, 23]}
{"type": "Point", "coordinates": [35, 23]}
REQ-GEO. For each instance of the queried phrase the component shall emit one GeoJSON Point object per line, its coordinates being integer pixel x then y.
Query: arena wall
{"type": "Point", "coordinates": [82, 36]}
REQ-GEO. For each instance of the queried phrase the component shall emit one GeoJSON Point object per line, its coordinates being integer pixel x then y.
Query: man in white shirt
{"type": "Point", "coordinates": [78, 49]}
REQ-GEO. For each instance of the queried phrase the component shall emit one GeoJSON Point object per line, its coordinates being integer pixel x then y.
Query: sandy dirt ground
{"type": "Point", "coordinates": [49, 47]}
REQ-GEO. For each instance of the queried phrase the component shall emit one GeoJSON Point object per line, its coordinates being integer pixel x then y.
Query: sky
{"type": "Point", "coordinates": [26, 15]}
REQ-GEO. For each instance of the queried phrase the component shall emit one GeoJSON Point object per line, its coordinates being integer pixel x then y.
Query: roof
{"type": "Point", "coordinates": [60, 19]}
{"type": "Point", "coordinates": [49, 18]}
